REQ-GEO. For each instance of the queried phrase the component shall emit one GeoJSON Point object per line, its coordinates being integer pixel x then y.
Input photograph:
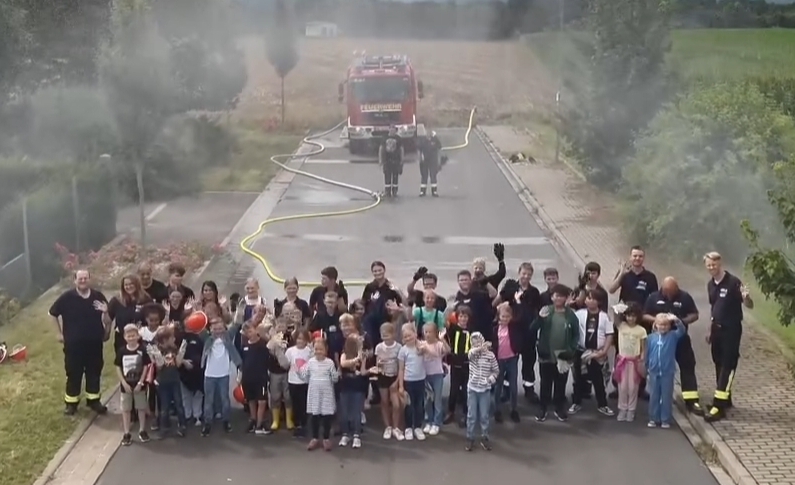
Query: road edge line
{"type": "Point", "coordinates": [48, 474]}
{"type": "Point", "coordinates": [731, 463]}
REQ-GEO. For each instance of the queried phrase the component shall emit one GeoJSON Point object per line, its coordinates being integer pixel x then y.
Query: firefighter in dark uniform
{"type": "Point", "coordinates": [83, 324]}
{"type": "Point", "coordinates": [431, 162]}
{"type": "Point", "coordinates": [671, 299]}
{"type": "Point", "coordinates": [727, 295]}
{"type": "Point", "coordinates": [390, 157]}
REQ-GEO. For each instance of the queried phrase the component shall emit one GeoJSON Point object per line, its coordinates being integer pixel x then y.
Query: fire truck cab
{"type": "Point", "coordinates": [380, 91]}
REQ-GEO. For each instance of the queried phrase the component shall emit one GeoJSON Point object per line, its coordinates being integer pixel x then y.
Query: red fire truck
{"type": "Point", "coordinates": [381, 91]}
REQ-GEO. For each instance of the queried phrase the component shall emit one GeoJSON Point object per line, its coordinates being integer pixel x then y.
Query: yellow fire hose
{"type": "Point", "coordinates": [248, 240]}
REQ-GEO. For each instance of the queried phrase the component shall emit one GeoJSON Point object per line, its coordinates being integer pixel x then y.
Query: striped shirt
{"type": "Point", "coordinates": [483, 370]}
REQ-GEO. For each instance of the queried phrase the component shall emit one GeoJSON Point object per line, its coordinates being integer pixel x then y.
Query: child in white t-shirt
{"type": "Point", "coordinates": [298, 355]}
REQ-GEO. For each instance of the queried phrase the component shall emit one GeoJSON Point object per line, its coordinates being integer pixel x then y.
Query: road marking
{"type": "Point", "coordinates": [399, 239]}
{"type": "Point", "coordinates": [325, 161]}
{"type": "Point", "coordinates": [157, 210]}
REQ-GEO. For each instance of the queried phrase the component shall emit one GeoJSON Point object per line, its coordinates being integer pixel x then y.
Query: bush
{"type": "Point", "coordinates": [51, 220]}
{"type": "Point", "coordinates": [704, 165]}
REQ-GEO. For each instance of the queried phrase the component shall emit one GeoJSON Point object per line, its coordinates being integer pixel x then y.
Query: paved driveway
{"type": "Point", "coordinates": [477, 207]}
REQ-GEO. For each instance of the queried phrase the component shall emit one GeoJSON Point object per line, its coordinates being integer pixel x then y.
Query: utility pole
{"type": "Point", "coordinates": [26, 243]}
{"type": "Point", "coordinates": [558, 120]}
{"type": "Point", "coordinates": [76, 211]}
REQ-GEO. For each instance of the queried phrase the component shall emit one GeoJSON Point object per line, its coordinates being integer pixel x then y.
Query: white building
{"type": "Point", "coordinates": [321, 29]}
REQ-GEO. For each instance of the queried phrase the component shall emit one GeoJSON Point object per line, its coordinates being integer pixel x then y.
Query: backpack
{"type": "Point", "coordinates": [421, 321]}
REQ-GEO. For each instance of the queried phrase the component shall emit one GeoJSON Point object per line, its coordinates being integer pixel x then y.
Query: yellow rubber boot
{"type": "Point", "coordinates": [277, 416]}
{"type": "Point", "coordinates": [288, 417]}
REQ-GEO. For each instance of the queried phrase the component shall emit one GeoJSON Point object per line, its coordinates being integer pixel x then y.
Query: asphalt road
{"type": "Point", "coordinates": [477, 207]}
{"type": "Point", "coordinates": [206, 218]}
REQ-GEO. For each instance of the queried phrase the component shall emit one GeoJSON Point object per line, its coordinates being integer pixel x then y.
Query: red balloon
{"type": "Point", "coordinates": [196, 322]}
{"type": "Point", "coordinates": [452, 319]}
{"type": "Point", "coordinates": [317, 334]}
{"type": "Point", "coordinates": [238, 394]}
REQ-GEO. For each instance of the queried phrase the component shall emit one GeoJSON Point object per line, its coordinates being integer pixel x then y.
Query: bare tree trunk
{"type": "Point", "coordinates": [139, 177]}
{"type": "Point", "coordinates": [282, 100]}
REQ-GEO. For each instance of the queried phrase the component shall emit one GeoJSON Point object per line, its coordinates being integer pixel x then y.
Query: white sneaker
{"type": "Point", "coordinates": [419, 434]}
{"type": "Point", "coordinates": [574, 409]}
{"type": "Point", "coordinates": [622, 415]}
{"type": "Point", "coordinates": [426, 429]}
{"type": "Point", "coordinates": [651, 424]}
{"type": "Point", "coordinates": [665, 426]}
{"type": "Point", "coordinates": [364, 419]}
{"type": "Point", "coordinates": [344, 441]}
{"type": "Point", "coordinates": [434, 430]}
{"type": "Point", "coordinates": [398, 434]}
{"type": "Point", "coordinates": [630, 416]}
{"type": "Point", "coordinates": [409, 434]}
{"type": "Point", "coordinates": [388, 433]}
{"type": "Point", "coordinates": [357, 442]}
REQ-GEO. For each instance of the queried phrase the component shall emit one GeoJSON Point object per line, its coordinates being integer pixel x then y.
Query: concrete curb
{"type": "Point", "coordinates": [738, 473]}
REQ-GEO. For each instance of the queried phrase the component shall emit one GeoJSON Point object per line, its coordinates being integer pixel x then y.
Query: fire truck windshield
{"type": "Point", "coordinates": [380, 89]}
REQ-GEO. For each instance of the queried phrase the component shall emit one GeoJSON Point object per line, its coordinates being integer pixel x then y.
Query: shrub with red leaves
{"type": "Point", "coordinates": [112, 262]}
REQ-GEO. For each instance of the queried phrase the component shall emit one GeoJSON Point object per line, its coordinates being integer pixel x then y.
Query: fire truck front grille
{"type": "Point", "coordinates": [381, 118]}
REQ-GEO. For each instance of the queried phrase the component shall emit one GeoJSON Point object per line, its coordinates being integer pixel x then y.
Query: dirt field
{"type": "Point", "coordinates": [505, 80]}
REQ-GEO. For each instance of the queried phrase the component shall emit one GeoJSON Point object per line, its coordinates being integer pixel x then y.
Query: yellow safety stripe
{"type": "Point", "coordinates": [714, 411]}
{"type": "Point", "coordinates": [730, 384]}
{"type": "Point", "coordinates": [71, 399]}
{"type": "Point", "coordinates": [93, 396]}
{"type": "Point", "coordinates": [466, 343]}
{"type": "Point", "coordinates": [689, 395]}
{"type": "Point", "coordinates": [722, 395]}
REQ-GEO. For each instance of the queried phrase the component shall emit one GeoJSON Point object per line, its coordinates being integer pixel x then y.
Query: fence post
{"type": "Point", "coordinates": [76, 210]}
{"type": "Point", "coordinates": [26, 242]}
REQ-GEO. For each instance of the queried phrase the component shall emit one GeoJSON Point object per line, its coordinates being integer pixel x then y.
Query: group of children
{"type": "Point", "coordinates": [316, 375]}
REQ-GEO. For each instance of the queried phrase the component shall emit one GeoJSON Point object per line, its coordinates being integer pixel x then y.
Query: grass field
{"type": "Point", "coordinates": [31, 396]}
{"type": "Point", "coordinates": [711, 53]}
{"type": "Point", "coordinates": [504, 80]}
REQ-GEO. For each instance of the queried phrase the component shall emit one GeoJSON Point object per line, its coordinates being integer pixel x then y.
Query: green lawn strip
{"type": "Point", "coordinates": [32, 424]}
{"type": "Point", "coordinates": [765, 312]}
{"type": "Point", "coordinates": [250, 168]}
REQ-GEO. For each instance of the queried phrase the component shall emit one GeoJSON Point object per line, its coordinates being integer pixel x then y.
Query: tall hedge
{"type": "Point", "coordinates": [51, 220]}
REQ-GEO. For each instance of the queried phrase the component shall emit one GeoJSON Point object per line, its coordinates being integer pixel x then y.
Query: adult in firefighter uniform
{"type": "Point", "coordinates": [431, 162]}
{"type": "Point", "coordinates": [671, 299]}
{"type": "Point", "coordinates": [390, 157]}
{"type": "Point", "coordinates": [727, 295]}
{"type": "Point", "coordinates": [83, 325]}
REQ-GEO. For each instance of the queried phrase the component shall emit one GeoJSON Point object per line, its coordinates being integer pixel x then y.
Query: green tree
{"type": "Point", "coordinates": [627, 83]}
{"type": "Point", "coordinates": [281, 43]}
{"type": "Point", "coordinates": [706, 163]}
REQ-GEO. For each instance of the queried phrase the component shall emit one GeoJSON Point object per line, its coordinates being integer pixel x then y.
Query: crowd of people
{"type": "Point", "coordinates": [310, 366]}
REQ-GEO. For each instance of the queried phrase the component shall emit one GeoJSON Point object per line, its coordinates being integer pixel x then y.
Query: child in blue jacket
{"type": "Point", "coordinates": [661, 367]}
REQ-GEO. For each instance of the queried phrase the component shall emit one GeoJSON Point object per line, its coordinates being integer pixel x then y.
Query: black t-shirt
{"type": "Point", "coordinates": [681, 305]}
{"type": "Point", "coordinates": [273, 362]}
{"type": "Point", "coordinates": [525, 303]}
{"type": "Point", "coordinates": [417, 299]}
{"type": "Point", "coordinates": [157, 291]}
{"type": "Point", "coordinates": [349, 381]}
{"type": "Point", "coordinates": [637, 287]}
{"type": "Point", "coordinates": [122, 313]}
{"type": "Point", "coordinates": [302, 305]}
{"type": "Point", "coordinates": [256, 360]}
{"type": "Point", "coordinates": [325, 322]}
{"type": "Point", "coordinates": [319, 292]}
{"type": "Point", "coordinates": [431, 147]}
{"type": "Point", "coordinates": [592, 330]}
{"type": "Point", "coordinates": [187, 293]}
{"type": "Point", "coordinates": [726, 300]}
{"type": "Point", "coordinates": [176, 315]}
{"type": "Point", "coordinates": [132, 363]}
{"type": "Point", "coordinates": [81, 321]}
{"type": "Point", "coordinates": [392, 145]}
{"type": "Point", "coordinates": [546, 297]}
{"type": "Point", "coordinates": [375, 297]}
{"type": "Point", "coordinates": [602, 298]}
{"type": "Point", "coordinates": [482, 313]}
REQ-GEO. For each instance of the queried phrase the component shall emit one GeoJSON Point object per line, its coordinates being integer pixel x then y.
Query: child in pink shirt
{"type": "Point", "coordinates": [506, 344]}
